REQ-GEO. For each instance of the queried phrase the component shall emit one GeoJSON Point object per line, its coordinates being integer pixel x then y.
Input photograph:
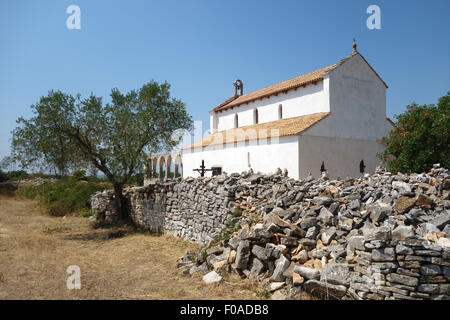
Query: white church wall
{"type": "Point", "coordinates": [357, 102]}
{"type": "Point", "coordinates": [295, 103]}
{"type": "Point", "coordinates": [263, 157]}
{"type": "Point", "coordinates": [341, 157]}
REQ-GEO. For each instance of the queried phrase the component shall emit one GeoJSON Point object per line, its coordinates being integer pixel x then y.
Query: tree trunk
{"type": "Point", "coordinates": [120, 202]}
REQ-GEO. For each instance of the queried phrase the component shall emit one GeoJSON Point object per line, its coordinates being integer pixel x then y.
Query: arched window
{"type": "Point", "coordinates": [255, 116]}
{"type": "Point", "coordinates": [280, 112]}
{"type": "Point", "coordinates": [236, 121]}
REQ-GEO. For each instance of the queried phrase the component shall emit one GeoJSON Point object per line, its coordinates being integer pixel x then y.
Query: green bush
{"type": "Point", "coordinates": [18, 175]}
{"type": "Point", "coordinates": [79, 175]}
{"type": "Point", "coordinates": [3, 176]}
{"type": "Point", "coordinates": [64, 196]}
{"type": "Point", "coordinates": [420, 138]}
{"type": "Point", "coordinates": [23, 175]}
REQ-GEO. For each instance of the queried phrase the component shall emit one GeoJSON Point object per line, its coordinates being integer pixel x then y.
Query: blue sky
{"type": "Point", "coordinates": [201, 47]}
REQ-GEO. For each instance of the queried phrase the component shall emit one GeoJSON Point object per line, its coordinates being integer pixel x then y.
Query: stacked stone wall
{"type": "Point", "coordinates": [379, 236]}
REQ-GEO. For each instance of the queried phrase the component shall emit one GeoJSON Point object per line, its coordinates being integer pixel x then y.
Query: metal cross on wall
{"type": "Point", "coordinates": [202, 169]}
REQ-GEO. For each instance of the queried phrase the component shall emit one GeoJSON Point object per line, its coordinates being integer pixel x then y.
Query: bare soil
{"type": "Point", "coordinates": [36, 249]}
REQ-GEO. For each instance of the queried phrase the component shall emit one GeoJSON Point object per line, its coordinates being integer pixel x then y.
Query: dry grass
{"type": "Point", "coordinates": [36, 249]}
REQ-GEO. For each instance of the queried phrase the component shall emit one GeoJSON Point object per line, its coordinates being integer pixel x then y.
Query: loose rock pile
{"type": "Point", "coordinates": [381, 236]}
{"type": "Point", "coordinates": [37, 181]}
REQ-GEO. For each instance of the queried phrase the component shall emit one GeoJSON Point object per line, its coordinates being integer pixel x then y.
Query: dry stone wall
{"type": "Point", "coordinates": [191, 209]}
{"type": "Point", "coordinates": [379, 236]}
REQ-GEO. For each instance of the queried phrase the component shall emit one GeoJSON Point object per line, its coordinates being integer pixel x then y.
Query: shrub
{"type": "Point", "coordinates": [79, 175]}
{"type": "Point", "coordinates": [64, 196]}
{"type": "Point", "coordinates": [231, 226]}
{"type": "Point", "coordinates": [263, 293]}
{"type": "Point", "coordinates": [420, 138]}
{"type": "Point", "coordinates": [3, 176]}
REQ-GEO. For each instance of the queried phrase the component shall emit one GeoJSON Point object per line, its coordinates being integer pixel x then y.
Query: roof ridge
{"type": "Point", "coordinates": [316, 75]}
{"type": "Point", "coordinates": [284, 86]}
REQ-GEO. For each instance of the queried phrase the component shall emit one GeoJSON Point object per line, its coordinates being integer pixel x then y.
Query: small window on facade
{"type": "Point", "coordinates": [322, 167]}
{"type": "Point", "coordinates": [216, 171]}
{"type": "Point", "coordinates": [280, 112]}
{"type": "Point", "coordinates": [236, 121]}
{"type": "Point", "coordinates": [362, 166]}
{"type": "Point", "coordinates": [255, 116]}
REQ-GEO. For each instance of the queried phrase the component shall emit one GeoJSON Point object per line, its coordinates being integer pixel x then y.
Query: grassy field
{"type": "Point", "coordinates": [36, 249]}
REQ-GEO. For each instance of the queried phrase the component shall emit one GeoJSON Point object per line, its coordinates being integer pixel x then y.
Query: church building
{"type": "Point", "coordinates": [331, 119]}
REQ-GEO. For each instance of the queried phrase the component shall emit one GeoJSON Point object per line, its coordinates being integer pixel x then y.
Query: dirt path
{"type": "Point", "coordinates": [35, 251]}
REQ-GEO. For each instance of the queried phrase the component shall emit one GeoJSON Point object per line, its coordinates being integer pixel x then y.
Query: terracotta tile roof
{"type": "Point", "coordinates": [287, 85]}
{"type": "Point", "coordinates": [279, 128]}
{"type": "Point", "coordinates": [302, 80]}
{"type": "Point", "coordinates": [391, 122]}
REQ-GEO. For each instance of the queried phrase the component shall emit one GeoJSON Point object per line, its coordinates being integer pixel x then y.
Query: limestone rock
{"type": "Point", "coordinates": [403, 204]}
{"type": "Point", "coordinates": [212, 277]}
{"type": "Point", "coordinates": [307, 273]}
{"type": "Point", "coordinates": [274, 286]}
{"type": "Point", "coordinates": [336, 273]}
{"type": "Point", "coordinates": [324, 289]}
{"type": "Point", "coordinates": [402, 233]}
{"type": "Point", "coordinates": [297, 279]}
{"type": "Point", "coordinates": [357, 242]}
{"type": "Point", "coordinates": [242, 255]}
{"type": "Point", "coordinates": [385, 254]}
{"type": "Point", "coordinates": [280, 266]}
{"type": "Point", "coordinates": [256, 266]}
{"type": "Point", "coordinates": [301, 257]}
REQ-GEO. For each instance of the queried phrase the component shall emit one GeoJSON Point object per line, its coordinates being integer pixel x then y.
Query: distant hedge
{"type": "Point", "coordinates": [23, 175]}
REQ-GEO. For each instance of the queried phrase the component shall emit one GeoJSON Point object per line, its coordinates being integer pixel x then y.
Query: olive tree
{"type": "Point", "coordinates": [113, 137]}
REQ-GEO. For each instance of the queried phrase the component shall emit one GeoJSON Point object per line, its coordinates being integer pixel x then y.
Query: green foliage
{"type": "Point", "coordinates": [114, 137]}
{"type": "Point", "coordinates": [18, 175]}
{"type": "Point", "coordinates": [265, 293]}
{"type": "Point", "coordinates": [231, 226]}
{"type": "Point", "coordinates": [204, 255]}
{"type": "Point", "coordinates": [37, 143]}
{"type": "Point", "coordinates": [14, 175]}
{"type": "Point", "coordinates": [254, 219]}
{"type": "Point", "coordinates": [79, 175]}
{"type": "Point", "coordinates": [3, 176]}
{"type": "Point", "coordinates": [420, 139]}
{"type": "Point", "coordinates": [86, 213]}
{"type": "Point", "coordinates": [236, 213]}
{"type": "Point", "coordinates": [6, 162]}
{"type": "Point", "coordinates": [137, 179]}
{"type": "Point", "coordinates": [63, 197]}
